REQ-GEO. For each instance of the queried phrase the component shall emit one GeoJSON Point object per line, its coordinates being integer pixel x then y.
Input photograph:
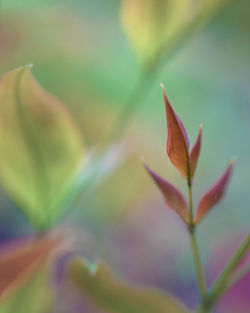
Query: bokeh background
{"type": "Point", "coordinates": [81, 54]}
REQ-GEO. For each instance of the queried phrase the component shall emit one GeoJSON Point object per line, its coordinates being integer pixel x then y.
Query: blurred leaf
{"type": "Point", "coordinates": [41, 148]}
{"type": "Point", "coordinates": [19, 262]}
{"type": "Point", "coordinates": [111, 207]}
{"type": "Point", "coordinates": [36, 296]}
{"type": "Point", "coordinates": [173, 197]}
{"type": "Point", "coordinates": [195, 153]}
{"type": "Point", "coordinates": [152, 24]}
{"type": "Point", "coordinates": [154, 27]}
{"type": "Point", "coordinates": [177, 142]}
{"type": "Point", "coordinates": [114, 296]}
{"type": "Point", "coordinates": [211, 6]}
{"type": "Point", "coordinates": [214, 195]}
{"type": "Point", "coordinates": [96, 171]}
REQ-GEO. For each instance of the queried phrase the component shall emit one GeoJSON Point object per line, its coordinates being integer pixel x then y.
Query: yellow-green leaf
{"type": "Point", "coordinates": [152, 24]}
{"type": "Point", "coordinates": [40, 147]}
{"type": "Point", "coordinates": [211, 6]}
{"type": "Point", "coordinates": [115, 296]}
{"type": "Point", "coordinates": [154, 27]}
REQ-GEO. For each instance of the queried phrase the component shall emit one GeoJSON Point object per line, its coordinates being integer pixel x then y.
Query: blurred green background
{"type": "Point", "coordinates": [81, 55]}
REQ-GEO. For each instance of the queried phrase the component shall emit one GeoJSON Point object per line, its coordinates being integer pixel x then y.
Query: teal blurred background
{"type": "Point", "coordinates": [81, 55]}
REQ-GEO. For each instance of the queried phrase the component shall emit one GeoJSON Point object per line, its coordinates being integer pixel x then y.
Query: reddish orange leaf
{"type": "Point", "coordinates": [177, 142]}
{"type": "Point", "coordinates": [173, 197]}
{"type": "Point", "coordinates": [213, 196]}
{"type": "Point", "coordinates": [195, 152]}
{"type": "Point", "coordinates": [20, 261]}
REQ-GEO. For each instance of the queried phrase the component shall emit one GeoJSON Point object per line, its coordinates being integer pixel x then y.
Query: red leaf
{"type": "Point", "coordinates": [195, 152]}
{"type": "Point", "coordinates": [213, 196]}
{"type": "Point", "coordinates": [173, 197]}
{"type": "Point", "coordinates": [20, 261]}
{"type": "Point", "coordinates": [177, 142]}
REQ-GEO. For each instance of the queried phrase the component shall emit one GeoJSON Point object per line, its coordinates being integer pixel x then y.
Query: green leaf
{"type": "Point", "coordinates": [115, 296]}
{"type": "Point", "coordinates": [152, 24]}
{"type": "Point", "coordinates": [41, 147]}
{"type": "Point", "coordinates": [155, 27]}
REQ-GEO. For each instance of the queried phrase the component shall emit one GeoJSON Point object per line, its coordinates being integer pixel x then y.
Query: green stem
{"type": "Point", "coordinates": [137, 96]}
{"type": "Point", "coordinates": [203, 309]}
{"type": "Point", "coordinates": [197, 263]}
{"type": "Point", "coordinates": [194, 247]}
{"type": "Point", "coordinates": [223, 281]}
{"type": "Point", "coordinates": [240, 274]}
{"type": "Point", "coordinates": [190, 198]}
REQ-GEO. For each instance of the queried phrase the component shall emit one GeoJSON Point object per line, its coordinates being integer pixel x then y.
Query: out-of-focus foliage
{"type": "Point", "coordinates": [20, 261]}
{"type": "Point", "coordinates": [36, 295]}
{"type": "Point", "coordinates": [114, 296]}
{"type": "Point", "coordinates": [41, 147]}
{"type": "Point", "coordinates": [155, 26]}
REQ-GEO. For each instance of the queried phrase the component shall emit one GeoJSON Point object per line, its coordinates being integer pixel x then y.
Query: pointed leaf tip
{"type": "Point", "coordinates": [195, 152]}
{"type": "Point", "coordinates": [215, 194]}
{"type": "Point", "coordinates": [173, 197]}
{"type": "Point", "coordinates": [177, 142]}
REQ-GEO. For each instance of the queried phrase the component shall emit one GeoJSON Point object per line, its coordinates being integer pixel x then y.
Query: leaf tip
{"type": "Point", "coordinates": [162, 86]}
{"type": "Point", "coordinates": [164, 94]}
{"type": "Point", "coordinates": [92, 267]}
{"type": "Point", "coordinates": [233, 160]}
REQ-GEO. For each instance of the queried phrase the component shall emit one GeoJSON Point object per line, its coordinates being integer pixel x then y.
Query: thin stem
{"type": "Point", "coordinates": [203, 309]}
{"type": "Point", "coordinates": [197, 263]}
{"type": "Point", "coordinates": [240, 274]}
{"type": "Point", "coordinates": [223, 281]}
{"type": "Point", "coordinates": [190, 198]}
{"type": "Point", "coordinates": [139, 93]}
{"type": "Point", "coordinates": [194, 247]}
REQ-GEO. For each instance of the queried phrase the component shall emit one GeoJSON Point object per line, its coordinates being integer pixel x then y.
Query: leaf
{"type": "Point", "coordinates": [173, 197]}
{"type": "Point", "coordinates": [210, 7]}
{"type": "Point", "coordinates": [214, 195]}
{"type": "Point", "coordinates": [36, 295]}
{"type": "Point", "coordinates": [20, 261]}
{"type": "Point", "coordinates": [115, 296]}
{"type": "Point", "coordinates": [195, 153]}
{"type": "Point", "coordinates": [41, 147]}
{"type": "Point", "coordinates": [177, 142]}
{"type": "Point", "coordinates": [154, 25]}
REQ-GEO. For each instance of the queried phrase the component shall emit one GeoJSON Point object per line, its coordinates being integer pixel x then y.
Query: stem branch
{"type": "Point", "coordinates": [223, 281]}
